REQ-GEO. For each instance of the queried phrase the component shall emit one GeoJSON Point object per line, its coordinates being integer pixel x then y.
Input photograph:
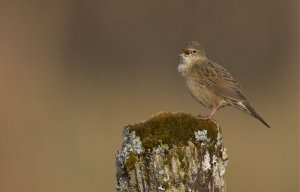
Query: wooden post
{"type": "Point", "coordinates": [172, 152]}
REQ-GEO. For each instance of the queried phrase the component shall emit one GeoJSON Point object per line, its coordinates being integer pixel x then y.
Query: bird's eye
{"type": "Point", "coordinates": [194, 51]}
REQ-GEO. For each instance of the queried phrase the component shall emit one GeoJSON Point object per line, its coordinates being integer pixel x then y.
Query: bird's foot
{"type": "Point", "coordinates": [206, 117]}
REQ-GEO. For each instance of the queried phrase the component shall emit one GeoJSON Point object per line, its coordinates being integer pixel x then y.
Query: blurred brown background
{"type": "Point", "coordinates": [73, 73]}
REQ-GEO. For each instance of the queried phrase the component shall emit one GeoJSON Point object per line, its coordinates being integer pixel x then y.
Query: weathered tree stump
{"type": "Point", "coordinates": [172, 152]}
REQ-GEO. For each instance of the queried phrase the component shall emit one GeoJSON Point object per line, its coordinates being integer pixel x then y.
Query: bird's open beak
{"type": "Point", "coordinates": [185, 51]}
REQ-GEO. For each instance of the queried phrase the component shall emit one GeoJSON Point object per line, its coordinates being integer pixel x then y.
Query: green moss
{"type": "Point", "coordinates": [130, 163]}
{"type": "Point", "coordinates": [172, 129]}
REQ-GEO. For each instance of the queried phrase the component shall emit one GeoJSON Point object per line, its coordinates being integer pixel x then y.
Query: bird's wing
{"type": "Point", "coordinates": [218, 80]}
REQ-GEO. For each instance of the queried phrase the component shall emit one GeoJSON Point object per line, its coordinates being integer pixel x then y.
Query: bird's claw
{"type": "Point", "coordinates": [206, 117]}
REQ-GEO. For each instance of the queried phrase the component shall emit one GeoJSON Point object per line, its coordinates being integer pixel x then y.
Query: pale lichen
{"type": "Point", "coordinates": [202, 137]}
{"type": "Point", "coordinates": [161, 188]}
{"type": "Point", "coordinates": [126, 157]}
{"type": "Point", "coordinates": [131, 144]}
{"type": "Point", "coordinates": [219, 138]}
{"type": "Point", "coordinates": [206, 162]}
{"type": "Point", "coordinates": [224, 153]}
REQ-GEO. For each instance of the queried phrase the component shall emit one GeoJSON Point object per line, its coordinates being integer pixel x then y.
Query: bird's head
{"type": "Point", "coordinates": [193, 50]}
{"type": "Point", "coordinates": [191, 53]}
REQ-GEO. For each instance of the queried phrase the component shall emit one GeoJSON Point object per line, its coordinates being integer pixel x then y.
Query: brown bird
{"type": "Point", "coordinates": [211, 84]}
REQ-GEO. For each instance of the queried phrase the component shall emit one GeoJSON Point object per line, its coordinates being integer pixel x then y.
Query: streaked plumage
{"type": "Point", "coordinates": [211, 84]}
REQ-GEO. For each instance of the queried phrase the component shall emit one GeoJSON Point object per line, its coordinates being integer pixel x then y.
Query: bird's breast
{"type": "Point", "coordinates": [202, 94]}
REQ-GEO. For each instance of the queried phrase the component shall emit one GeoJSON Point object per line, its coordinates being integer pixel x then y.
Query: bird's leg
{"type": "Point", "coordinates": [215, 109]}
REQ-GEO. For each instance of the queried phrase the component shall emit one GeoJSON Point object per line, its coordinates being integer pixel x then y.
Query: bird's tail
{"type": "Point", "coordinates": [252, 112]}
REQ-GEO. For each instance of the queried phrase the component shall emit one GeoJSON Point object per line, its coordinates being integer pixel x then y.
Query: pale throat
{"type": "Point", "coordinates": [186, 62]}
